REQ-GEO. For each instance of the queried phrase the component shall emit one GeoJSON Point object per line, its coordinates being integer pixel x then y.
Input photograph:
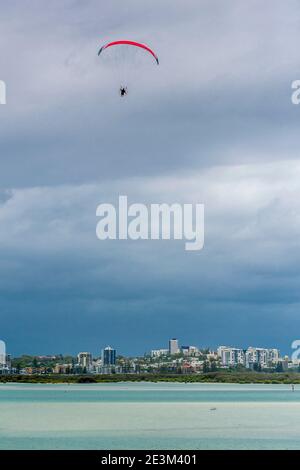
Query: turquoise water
{"type": "Point", "coordinates": [149, 416]}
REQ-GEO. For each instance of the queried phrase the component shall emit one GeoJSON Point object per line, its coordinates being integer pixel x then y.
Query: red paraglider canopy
{"type": "Point", "coordinates": [130, 43]}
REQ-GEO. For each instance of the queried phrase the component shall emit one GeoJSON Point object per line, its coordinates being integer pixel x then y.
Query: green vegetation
{"type": "Point", "coordinates": [40, 361]}
{"type": "Point", "coordinates": [214, 377]}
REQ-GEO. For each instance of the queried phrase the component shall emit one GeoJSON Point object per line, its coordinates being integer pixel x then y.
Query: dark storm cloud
{"type": "Point", "coordinates": [213, 124]}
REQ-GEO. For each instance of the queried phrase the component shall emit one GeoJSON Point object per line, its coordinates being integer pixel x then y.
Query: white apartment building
{"type": "Point", "coordinates": [231, 356]}
{"type": "Point", "coordinates": [2, 354]}
{"type": "Point", "coordinates": [85, 360]}
{"type": "Point", "coordinates": [5, 359]}
{"type": "Point", "coordinates": [248, 357]}
{"type": "Point", "coordinates": [263, 357]}
{"type": "Point", "coordinates": [159, 352]}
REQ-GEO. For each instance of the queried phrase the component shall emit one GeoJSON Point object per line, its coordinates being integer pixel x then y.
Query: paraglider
{"type": "Point", "coordinates": [123, 91]}
{"type": "Point", "coordinates": [122, 54]}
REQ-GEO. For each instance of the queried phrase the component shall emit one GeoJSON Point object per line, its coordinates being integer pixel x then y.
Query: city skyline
{"type": "Point", "coordinates": [176, 359]}
{"type": "Point", "coordinates": [174, 346]}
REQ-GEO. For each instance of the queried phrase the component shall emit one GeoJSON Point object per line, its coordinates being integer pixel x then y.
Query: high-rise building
{"type": "Point", "coordinates": [262, 357]}
{"type": "Point", "coordinates": [5, 359]}
{"type": "Point", "coordinates": [2, 354]}
{"type": "Point", "coordinates": [250, 357]}
{"type": "Point", "coordinates": [231, 356]}
{"type": "Point", "coordinates": [173, 346]}
{"type": "Point", "coordinates": [85, 360]}
{"type": "Point", "coordinates": [108, 356]}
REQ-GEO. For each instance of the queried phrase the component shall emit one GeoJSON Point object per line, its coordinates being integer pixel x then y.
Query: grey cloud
{"type": "Point", "coordinates": [250, 256]}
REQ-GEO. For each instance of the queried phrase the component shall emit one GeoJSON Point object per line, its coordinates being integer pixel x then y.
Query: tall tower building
{"type": "Point", "coordinates": [85, 360]}
{"type": "Point", "coordinates": [173, 346]}
{"type": "Point", "coordinates": [2, 354]}
{"type": "Point", "coordinates": [108, 356]}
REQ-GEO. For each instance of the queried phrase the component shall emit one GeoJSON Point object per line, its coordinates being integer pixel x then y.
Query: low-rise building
{"type": "Point", "coordinates": [159, 352]}
{"type": "Point", "coordinates": [189, 350]}
{"type": "Point", "coordinates": [63, 368]}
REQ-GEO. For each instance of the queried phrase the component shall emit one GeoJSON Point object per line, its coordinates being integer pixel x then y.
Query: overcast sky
{"type": "Point", "coordinates": [213, 124]}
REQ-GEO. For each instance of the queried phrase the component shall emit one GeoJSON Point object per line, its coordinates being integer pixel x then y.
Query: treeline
{"type": "Point", "coordinates": [214, 377]}
{"type": "Point", "coordinates": [40, 361]}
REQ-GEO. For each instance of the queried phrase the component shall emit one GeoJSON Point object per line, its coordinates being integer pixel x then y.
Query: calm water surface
{"type": "Point", "coordinates": [149, 416]}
